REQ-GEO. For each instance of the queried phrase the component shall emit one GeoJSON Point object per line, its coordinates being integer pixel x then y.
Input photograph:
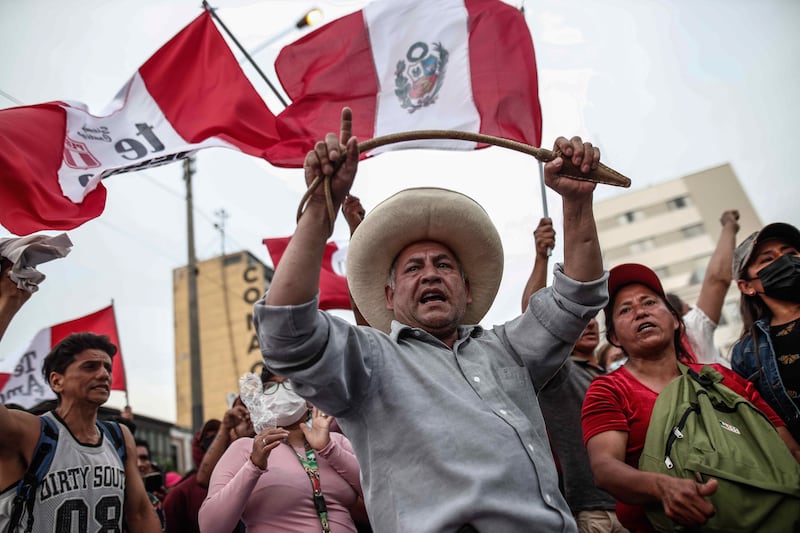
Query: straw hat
{"type": "Point", "coordinates": [423, 214]}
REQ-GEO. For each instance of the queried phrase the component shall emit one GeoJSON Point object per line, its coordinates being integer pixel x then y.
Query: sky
{"type": "Point", "coordinates": [665, 88]}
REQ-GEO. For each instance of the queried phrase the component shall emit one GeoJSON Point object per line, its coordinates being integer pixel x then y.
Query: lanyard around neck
{"type": "Point", "coordinates": [309, 463]}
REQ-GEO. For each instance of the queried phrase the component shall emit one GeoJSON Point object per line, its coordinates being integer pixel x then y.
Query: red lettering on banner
{"type": "Point", "coordinates": [77, 155]}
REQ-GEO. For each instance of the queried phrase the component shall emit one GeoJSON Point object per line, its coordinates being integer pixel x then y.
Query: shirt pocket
{"type": "Point", "coordinates": [516, 382]}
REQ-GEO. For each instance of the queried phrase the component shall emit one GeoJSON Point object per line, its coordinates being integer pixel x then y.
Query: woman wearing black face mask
{"type": "Point", "coordinates": [768, 352]}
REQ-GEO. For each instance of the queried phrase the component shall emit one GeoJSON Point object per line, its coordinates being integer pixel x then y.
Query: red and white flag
{"type": "Point", "coordinates": [21, 380]}
{"type": "Point", "coordinates": [191, 94]}
{"type": "Point", "coordinates": [464, 65]}
{"type": "Point", "coordinates": [333, 293]}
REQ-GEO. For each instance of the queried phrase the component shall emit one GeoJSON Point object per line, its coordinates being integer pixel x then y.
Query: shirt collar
{"type": "Point", "coordinates": [402, 330]}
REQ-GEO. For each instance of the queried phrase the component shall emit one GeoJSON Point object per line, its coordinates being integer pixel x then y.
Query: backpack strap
{"type": "Point", "coordinates": [41, 460]}
{"type": "Point", "coordinates": [113, 432]}
{"type": "Point", "coordinates": [706, 377]}
{"type": "Point", "coordinates": [40, 463]}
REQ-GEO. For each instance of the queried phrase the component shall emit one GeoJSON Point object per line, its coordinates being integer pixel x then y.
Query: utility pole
{"type": "Point", "coordinates": [194, 320]}
{"type": "Point", "coordinates": [220, 226]}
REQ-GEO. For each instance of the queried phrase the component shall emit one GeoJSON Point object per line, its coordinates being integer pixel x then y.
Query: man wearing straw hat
{"type": "Point", "coordinates": [442, 413]}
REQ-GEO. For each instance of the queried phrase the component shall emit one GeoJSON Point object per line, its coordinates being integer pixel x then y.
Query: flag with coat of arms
{"type": "Point", "coordinates": [400, 65]}
{"type": "Point", "coordinates": [465, 65]}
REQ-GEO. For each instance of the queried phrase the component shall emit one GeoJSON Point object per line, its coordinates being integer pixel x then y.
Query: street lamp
{"type": "Point", "coordinates": [311, 18]}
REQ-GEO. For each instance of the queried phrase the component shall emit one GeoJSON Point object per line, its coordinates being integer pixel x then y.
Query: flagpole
{"type": "Point", "coordinates": [212, 12]}
{"type": "Point", "coordinates": [544, 198]}
{"type": "Point", "coordinates": [119, 349]}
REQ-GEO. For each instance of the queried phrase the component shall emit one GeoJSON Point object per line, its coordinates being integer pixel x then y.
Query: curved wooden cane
{"type": "Point", "coordinates": [602, 174]}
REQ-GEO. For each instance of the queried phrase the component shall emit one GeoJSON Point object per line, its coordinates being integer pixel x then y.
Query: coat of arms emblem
{"type": "Point", "coordinates": [418, 82]}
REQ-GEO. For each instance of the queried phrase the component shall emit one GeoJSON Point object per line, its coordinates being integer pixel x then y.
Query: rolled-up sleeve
{"type": "Point", "coordinates": [543, 336]}
{"type": "Point", "coordinates": [581, 298]}
{"type": "Point", "coordinates": [328, 359]}
{"type": "Point", "coordinates": [292, 336]}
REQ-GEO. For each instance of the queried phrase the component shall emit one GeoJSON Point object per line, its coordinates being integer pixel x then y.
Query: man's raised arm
{"type": "Point", "coordinates": [582, 257]}
{"type": "Point", "coordinates": [719, 272]}
{"type": "Point", "coordinates": [12, 298]}
{"type": "Point", "coordinates": [544, 237]}
{"type": "Point", "coordinates": [296, 279]}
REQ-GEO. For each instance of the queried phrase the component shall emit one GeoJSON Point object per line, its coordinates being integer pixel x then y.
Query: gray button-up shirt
{"type": "Point", "coordinates": [444, 437]}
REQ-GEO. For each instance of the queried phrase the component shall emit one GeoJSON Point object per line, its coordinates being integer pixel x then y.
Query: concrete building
{"type": "Point", "coordinates": [227, 288]}
{"type": "Point", "coordinates": [673, 228]}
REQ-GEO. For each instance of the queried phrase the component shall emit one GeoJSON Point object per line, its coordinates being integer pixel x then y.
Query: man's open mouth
{"type": "Point", "coordinates": [432, 296]}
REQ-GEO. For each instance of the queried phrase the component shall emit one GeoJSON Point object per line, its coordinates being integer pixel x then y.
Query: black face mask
{"type": "Point", "coordinates": [781, 279]}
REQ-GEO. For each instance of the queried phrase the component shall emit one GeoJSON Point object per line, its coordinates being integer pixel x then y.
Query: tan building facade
{"type": "Point", "coordinates": [227, 288]}
{"type": "Point", "coordinates": [673, 228]}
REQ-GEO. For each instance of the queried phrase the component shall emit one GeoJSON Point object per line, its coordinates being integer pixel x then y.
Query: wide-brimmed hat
{"type": "Point", "coordinates": [423, 214]}
{"type": "Point", "coordinates": [778, 230]}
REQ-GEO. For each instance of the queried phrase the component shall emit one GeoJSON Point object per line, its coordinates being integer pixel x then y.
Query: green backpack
{"type": "Point", "coordinates": [701, 429]}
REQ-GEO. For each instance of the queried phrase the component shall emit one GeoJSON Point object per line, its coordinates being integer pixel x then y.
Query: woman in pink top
{"type": "Point", "coordinates": [287, 478]}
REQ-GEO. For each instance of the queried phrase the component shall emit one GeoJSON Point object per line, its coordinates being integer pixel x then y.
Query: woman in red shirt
{"type": "Point", "coordinates": [617, 406]}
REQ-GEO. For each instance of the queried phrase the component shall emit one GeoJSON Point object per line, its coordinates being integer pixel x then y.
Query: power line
{"type": "Point", "coordinates": [222, 215]}
{"type": "Point", "coordinates": [9, 97]}
{"type": "Point", "coordinates": [208, 218]}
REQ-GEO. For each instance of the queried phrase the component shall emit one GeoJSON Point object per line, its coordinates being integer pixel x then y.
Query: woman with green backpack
{"type": "Point", "coordinates": [618, 406]}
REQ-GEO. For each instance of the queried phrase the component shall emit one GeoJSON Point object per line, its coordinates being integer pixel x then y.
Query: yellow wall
{"type": "Point", "coordinates": [227, 287]}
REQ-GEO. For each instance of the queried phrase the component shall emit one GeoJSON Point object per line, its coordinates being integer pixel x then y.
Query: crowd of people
{"type": "Point", "coordinates": [416, 418]}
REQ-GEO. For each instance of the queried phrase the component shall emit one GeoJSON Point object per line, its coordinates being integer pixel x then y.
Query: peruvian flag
{"type": "Point", "coordinates": [464, 65]}
{"type": "Point", "coordinates": [333, 293]}
{"type": "Point", "coordinates": [191, 94]}
{"type": "Point", "coordinates": [21, 380]}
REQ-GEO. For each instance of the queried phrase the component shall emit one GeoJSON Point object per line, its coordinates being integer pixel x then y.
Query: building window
{"type": "Point", "coordinates": [642, 246]}
{"type": "Point", "coordinates": [693, 231]}
{"type": "Point", "coordinates": [678, 203]}
{"type": "Point", "coordinates": [629, 217]}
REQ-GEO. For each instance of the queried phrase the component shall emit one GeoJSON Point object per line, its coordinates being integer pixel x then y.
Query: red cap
{"type": "Point", "coordinates": [630, 273]}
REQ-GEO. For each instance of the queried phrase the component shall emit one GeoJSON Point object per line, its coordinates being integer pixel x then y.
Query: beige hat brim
{"type": "Point", "coordinates": [423, 214]}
